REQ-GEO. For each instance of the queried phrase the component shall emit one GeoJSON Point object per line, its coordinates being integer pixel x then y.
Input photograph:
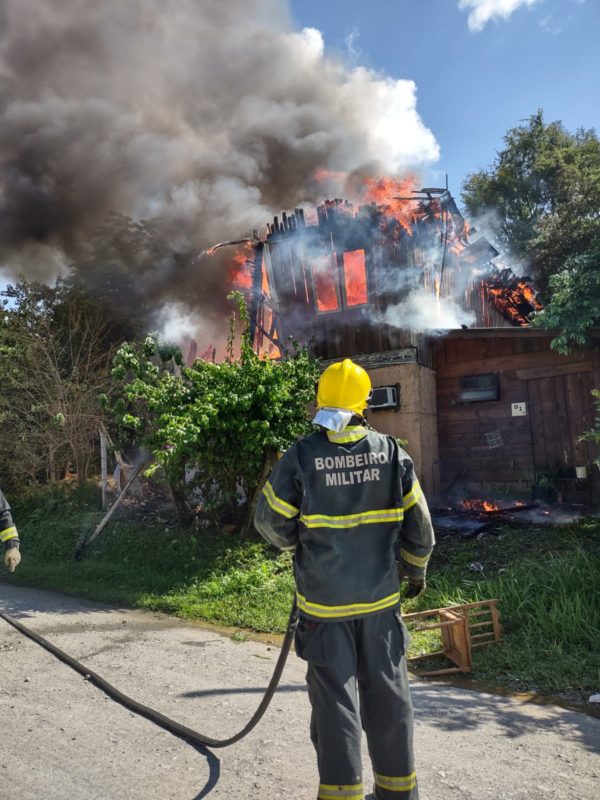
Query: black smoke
{"type": "Point", "coordinates": [175, 124]}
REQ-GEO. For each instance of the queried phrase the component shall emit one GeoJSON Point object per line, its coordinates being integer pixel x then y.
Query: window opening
{"type": "Point", "coordinates": [355, 277]}
{"type": "Point", "coordinates": [324, 271]}
{"type": "Point", "coordinates": [478, 388]}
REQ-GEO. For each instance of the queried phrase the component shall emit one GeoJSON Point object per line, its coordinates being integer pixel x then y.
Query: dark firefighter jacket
{"type": "Point", "coordinates": [349, 504]}
{"type": "Point", "coordinates": [8, 532]}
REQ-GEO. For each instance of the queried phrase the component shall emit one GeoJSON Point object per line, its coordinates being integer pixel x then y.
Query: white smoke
{"type": "Point", "coordinates": [483, 11]}
{"type": "Point", "coordinates": [176, 322]}
{"type": "Point", "coordinates": [421, 310]}
{"type": "Point", "coordinates": [204, 116]}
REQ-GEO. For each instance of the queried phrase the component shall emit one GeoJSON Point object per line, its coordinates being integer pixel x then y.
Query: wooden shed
{"type": "Point", "coordinates": [510, 412]}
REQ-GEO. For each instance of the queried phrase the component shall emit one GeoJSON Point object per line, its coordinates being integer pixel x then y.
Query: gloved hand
{"type": "Point", "coordinates": [415, 588]}
{"type": "Point", "coordinates": [12, 558]}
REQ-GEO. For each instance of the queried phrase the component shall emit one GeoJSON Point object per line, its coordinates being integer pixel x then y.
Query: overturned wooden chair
{"type": "Point", "coordinates": [463, 628]}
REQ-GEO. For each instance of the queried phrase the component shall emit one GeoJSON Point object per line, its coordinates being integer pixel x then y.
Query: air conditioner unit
{"type": "Point", "coordinates": [385, 398]}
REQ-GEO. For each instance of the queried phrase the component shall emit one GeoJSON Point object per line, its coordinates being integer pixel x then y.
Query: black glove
{"type": "Point", "coordinates": [415, 588]}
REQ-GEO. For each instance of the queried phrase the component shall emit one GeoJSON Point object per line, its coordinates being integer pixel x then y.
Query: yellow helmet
{"type": "Point", "coordinates": [344, 385]}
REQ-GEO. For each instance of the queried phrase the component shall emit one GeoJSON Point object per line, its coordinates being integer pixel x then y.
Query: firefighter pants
{"type": "Point", "coordinates": [357, 679]}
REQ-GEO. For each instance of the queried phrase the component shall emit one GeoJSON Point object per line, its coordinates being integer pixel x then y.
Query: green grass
{"type": "Point", "coordinates": [207, 576]}
{"type": "Point", "coordinates": [547, 581]}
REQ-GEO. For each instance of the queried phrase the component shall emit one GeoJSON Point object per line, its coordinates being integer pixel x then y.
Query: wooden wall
{"type": "Point", "coordinates": [297, 257]}
{"type": "Point", "coordinates": [347, 331]}
{"type": "Point", "coordinates": [557, 391]}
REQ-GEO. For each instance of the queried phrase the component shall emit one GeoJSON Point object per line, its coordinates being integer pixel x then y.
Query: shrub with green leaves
{"type": "Point", "coordinates": [223, 422]}
{"type": "Point", "coordinates": [594, 434]}
{"type": "Point", "coordinates": [574, 309]}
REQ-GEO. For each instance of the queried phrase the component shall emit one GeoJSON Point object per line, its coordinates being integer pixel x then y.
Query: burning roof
{"type": "Point", "coordinates": [359, 279]}
{"type": "Point", "coordinates": [514, 297]}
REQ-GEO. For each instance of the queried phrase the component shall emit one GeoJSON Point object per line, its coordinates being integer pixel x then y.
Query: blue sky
{"type": "Point", "coordinates": [473, 85]}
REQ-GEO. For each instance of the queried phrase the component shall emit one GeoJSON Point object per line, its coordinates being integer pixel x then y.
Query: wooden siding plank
{"type": "Point", "coordinates": [555, 369]}
{"type": "Point", "coordinates": [589, 412]}
{"type": "Point", "coordinates": [537, 427]}
{"type": "Point", "coordinates": [508, 363]}
{"type": "Point", "coordinates": [562, 421]}
{"type": "Point", "coordinates": [575, 402]}
{"type": "Point", "coordinates": [548, 411]}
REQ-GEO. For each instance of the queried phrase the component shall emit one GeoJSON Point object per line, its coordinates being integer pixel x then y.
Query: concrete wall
{"type": "Point", "coordinates": [416, 420]}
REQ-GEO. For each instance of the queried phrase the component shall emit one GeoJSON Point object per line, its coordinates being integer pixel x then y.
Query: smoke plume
{"type": "Point", "coordinates": [201, 117]}
{"type": "Point", "coordinates": [422, 311]}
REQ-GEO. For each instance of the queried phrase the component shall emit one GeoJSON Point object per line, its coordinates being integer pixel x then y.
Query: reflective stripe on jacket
{"type": "Point", "coordinates": [8, 532]}
{"type": "Point", "coordinates": [349, 504]}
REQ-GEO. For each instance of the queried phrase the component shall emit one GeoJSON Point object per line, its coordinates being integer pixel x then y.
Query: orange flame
{"type": "Point", "coordinates": [240, 271]}
{"type": "Point", "coordinates": [490, 506]}
{"type": "Point", "coordinates": [327, 299]}
{"type": "Point", "coordinates": [384, 193]}
{"type": "Point", "coordinates": [479, 505]}
{"type": "Point", "coordinates": [355, 277]}
{"type": "Point", "coordinates": [509, 300]}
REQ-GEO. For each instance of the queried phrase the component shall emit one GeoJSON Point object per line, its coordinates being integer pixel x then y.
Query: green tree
{"type": "Point", "coordinates": [574, 307]}
{"type": "Point", "coordinates": [541, 196]}
{"type": "Point", "coordinates": [593, 435]}
{"type": "Point", "coordinates": [56, 353]}
{"type": "Point", "coordinates": [222, 423]}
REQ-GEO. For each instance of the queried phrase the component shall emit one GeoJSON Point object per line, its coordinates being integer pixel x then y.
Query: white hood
{"type": "Point", "coordinates": [334, 419]}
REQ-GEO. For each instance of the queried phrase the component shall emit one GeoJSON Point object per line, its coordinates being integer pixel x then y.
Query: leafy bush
{"type": "Point", "coordinates": [215, 426]}
{"type": "Point", "coordinates": [575, 305]}
{"type": "Point", "coordinates": [593, 435]}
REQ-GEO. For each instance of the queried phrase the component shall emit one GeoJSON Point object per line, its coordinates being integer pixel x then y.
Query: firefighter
{"type": "Point", "coordinates": [9, 535]}
{"type": "Point", "coordinates": [346, 500]}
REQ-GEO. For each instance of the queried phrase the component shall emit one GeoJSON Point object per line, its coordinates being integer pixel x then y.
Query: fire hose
{"type": "Point", "coordinates": [182, 731]}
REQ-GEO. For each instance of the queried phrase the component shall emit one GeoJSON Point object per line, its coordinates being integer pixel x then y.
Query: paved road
{"type": "Point", "coordinates": [63, 739]}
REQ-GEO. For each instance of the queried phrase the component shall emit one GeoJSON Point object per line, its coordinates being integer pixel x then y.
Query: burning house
{"type": "Point", "coordinates": [372, 279]}
{"type": "Point", "coordinates": [441, 324]}
{"type": "Point", "coordinates": [276, 118]}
